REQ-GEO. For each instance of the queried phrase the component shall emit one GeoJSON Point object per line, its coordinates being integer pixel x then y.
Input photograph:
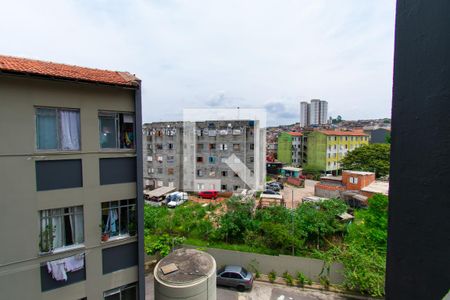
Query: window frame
{"type": "Point", "coordinates": [129, 205]}
{"type": "Point", "coordinates": [58, 129]}
{"type": "Point", "coordinates": [53, 214]}
{"type": "Point", "coordinates": [118, 128]}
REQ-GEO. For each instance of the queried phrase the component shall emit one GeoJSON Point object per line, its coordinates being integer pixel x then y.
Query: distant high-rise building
{"type": "Point", "coordinates": [304, 108]}
{"type": "Point", "coordinates": [315, 113]}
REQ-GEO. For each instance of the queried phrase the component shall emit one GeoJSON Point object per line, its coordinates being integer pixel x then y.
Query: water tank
{"type": "Point", "coordinates": [186, 274]}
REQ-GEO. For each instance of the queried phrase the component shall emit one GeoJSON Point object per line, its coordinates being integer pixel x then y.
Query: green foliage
{"type": "Point", "coordinates": [311, 171]}
{"type": "Point", "coordinates": [301, 279]}
{"type": "Point", "coordinates": [372, 157]}
{"type": "Point", "coordinates": [46, 239]}
{"type": "Point", "coordinates": [337, 120]}
{"type": "Point", "coordinates": [272, 276]}
{"type": "Point", "coordinates": [161, 245]}
{"type": "Point", "coordinates": [288, 278]}
{"type": "Point", "coordinates": [364, 257]}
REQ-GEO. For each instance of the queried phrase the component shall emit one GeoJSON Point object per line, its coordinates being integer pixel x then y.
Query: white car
{"type": "Point", "coordinates": [176, 198]}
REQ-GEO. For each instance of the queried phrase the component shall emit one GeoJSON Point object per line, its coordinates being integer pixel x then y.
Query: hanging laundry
{"type": "Point", "coordinates": [74, 263]}
{"type": "Point", "coordinates": [57, 269]}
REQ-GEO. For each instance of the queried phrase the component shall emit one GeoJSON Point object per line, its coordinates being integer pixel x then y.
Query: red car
{"type": "Point", "coordinates": [209, 194]}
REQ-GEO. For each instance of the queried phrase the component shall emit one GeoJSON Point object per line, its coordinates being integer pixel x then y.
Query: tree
{"type": "Point", "coordinates": [337, 120]}
{"type": "Point", "coordinates": [372, 157]}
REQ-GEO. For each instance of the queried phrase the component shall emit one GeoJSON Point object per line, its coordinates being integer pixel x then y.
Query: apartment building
{"type": "Point", "coordinates": [314, 113]}
{"type": "Point", "coordinates": [202, 163]}
{"type": "Point", "coordinates": [290, 145]}
{"type": "Point", "coordinates": [326, 148]}
{"type": "Point", "coordinates": [71, 209]}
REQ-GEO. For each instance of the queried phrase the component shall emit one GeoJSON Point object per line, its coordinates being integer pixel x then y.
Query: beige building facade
{"type": "Point", "coordinates": [71, 204]}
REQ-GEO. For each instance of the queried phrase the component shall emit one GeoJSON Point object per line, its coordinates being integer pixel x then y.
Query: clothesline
{"type": "Point", "coordinates": [59, 268]}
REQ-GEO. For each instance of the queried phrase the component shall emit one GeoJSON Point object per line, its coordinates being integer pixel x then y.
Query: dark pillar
{"type": "Point", "coordinates": [418, 260]}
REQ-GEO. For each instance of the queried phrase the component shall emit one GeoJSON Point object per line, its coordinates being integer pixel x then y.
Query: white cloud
{"type": "Point", "coordinates": [198, 53]}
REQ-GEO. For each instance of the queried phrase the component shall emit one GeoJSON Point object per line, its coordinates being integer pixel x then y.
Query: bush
{"type": "Point", "coordinates": [301, 279]}
{"type": "Point", "coordinates": [288, 278]}
{"type": "Point", "coordinates": [272, 276]}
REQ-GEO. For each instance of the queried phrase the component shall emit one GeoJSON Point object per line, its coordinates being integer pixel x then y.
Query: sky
{"type": "Point", "coordinates": [268, 54]}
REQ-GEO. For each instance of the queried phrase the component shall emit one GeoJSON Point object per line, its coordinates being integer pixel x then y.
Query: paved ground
{"type": "Point", "coordinates": [264, 291]}
{"type": "Point", "coordinates": [298, 193]}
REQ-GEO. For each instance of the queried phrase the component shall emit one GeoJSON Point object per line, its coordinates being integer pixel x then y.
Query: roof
{"type": "Point", "coordinates": [293, 169]}
{"type": "Point", "coordinates": [343, 133]}
{"type": "Point", "coordinates": [334, 178]}
{"type": "Point", "coordinates": [359, 172]}
{"type": "Point", "coordinates": [161, 191]}
{"type": "Point", "coordinates": [17, 65]}
{"type": "Point", "coordinates": [377, 187]}
{"type": "Point", "coordinates": [295, 133]}
{"type": "Point", "coordinates": [186, 267]}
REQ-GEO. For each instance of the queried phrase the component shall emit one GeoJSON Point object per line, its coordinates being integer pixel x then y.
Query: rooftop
{"type": "Point", "coordinates": [186, 266]}
{"type": "Point", "coordinates": [343, 133]}
{"type": "Point", "coordinates": [17, 65]}
{"type": "Point", "coordinates": [377, 187]}
{"type": "Point", "coordinates": [359, 172]}
{"type": "Point", "coordinates": [295, 133]}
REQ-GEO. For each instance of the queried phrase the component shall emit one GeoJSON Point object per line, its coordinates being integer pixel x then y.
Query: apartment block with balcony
{"type": "Point", "coordinates": [72, 205]}
{"type": "Point", "coordinates": [203, 166]}
{"type": "Point", "coordinates": [290, 148]}
{"type": "Point", "coordinates": [326, 148]}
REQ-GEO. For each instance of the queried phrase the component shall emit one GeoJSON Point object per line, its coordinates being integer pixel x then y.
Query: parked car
{"type": "Point", "coordinates": [176, 198]}
{"type": "Point", "coordinates": [276, 186]}
{"type": "Point", "coordinates": [235, 276]}
{"type": "Point", "coordinates": [270, 192]}
{"type": "Point", "coordinates": [209, 194]}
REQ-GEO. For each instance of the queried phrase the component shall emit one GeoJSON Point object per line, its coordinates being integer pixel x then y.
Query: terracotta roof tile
{"type": "Point", "coordinates": [12, 64]}
{"type": "Point", "coordinates": [343, 133]}
{"type": "Point", "coordinates": [293, 133]}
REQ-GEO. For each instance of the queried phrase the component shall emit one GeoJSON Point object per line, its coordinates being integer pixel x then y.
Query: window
{"type": "Point", "coordinates": [170, 171]}
{"type": "Point", "coordinates": [199, 173]}
{"type": "Point", "coordinates": [224, 173]}
{"type": "Point", "coordinates": [160, 158]}
{"type": "Point", "coordinates": [57, 129]}
{"type": "Point", "coordinates": [151, 170]}
{"type": "Point", "coordinates": [149, 158]}
{"type": "Point", "coordinates": [116, 130]}
{"type": "Point", "coordinates": [235, 187]}
{"type": "Point", "coordinates": [160, 170]}
{"type": "Point", "coordinates": [200, 159]}
{"type": "Point", "coordinates": [212, 160]}
{"type": "Point", "coordinates": [61, 227]}
{"type": "Point", "coordinates": [119, 218]}
{"type": "Point", "coordinates": [251, 159]}
{"type": "Point", "coordinates": [171, 184]}
{"type": "Point", "coordinates": [223, 147]}
{"type": "Point", "coordinates": [170, 146]}
{"type": "Point", "coordinates": [252, 146]}
{"type": "Point", "coordinates": [236, 147]}
{"type": "Point", "coordinates": [212, 173]}
{"type": "Point", "coordinates": [199, 146]}
{"type": "Point", "coordinates": [170, 158]}
{"type": "Point", "coordinates": [354, 180]}
{"type": "Point", "coordinates": [212, 146]}
{"type": "Point", "coordinates": [159, 146]}
{"type": "Point", "coordinates": [126, 292]}
{"type": "Point", "coordinates": [223, 187]}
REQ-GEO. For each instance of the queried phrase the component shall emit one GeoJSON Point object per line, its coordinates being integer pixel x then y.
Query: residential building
{"type": "Point", "coordinates": [353, 186]}
{"type": "Point", "coordinates": [72, 205]}
{"type": "Point", "coordinates": [326, 148]}
{"type": "Point", "coordinates": [378, 136]}
{"type": "Point", "coordinates": [314, 113]}
{"type": "Point", "coordinates": [290, 146]}
{"type": "Point", "coordinates": [304, 113]}
{"type": "Point", "coordinates": [204, 165]}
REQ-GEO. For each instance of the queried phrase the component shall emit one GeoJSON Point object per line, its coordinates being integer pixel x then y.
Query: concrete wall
{"type": "Point", "coordinates": [317, 150]}
{"type": "Point", "coordinates": [418, 261]}
{"type": "Point", "coordinates": [20, 202]}
{"type": "Point", "coordinates": [266, 263]}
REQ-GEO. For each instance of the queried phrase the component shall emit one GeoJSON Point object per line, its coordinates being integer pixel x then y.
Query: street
{"type": "Point", "coordinates": [265, 291]}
